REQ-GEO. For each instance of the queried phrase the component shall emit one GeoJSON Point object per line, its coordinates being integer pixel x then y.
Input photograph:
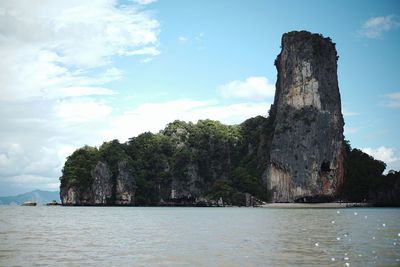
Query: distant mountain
{"type": "Point", "coordinates": [38, 196]}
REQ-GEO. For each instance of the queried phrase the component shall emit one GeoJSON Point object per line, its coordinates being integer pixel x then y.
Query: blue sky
{"type": "Point", "coordinates": [83, 72]}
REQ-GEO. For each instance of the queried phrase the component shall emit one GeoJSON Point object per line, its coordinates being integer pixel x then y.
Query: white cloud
{"type": "Point", "coordinates": [252, 88]}
{"type": "Point", "coordinates": [10, 158]}
{"type": "Point", "coordinates": [385, 154]}
{"type": "Point", "coordinates": [81, 110]}
{"type": "Point", "coordinates": [374, 27]}
{"type": "Point", "coordinates": [56, 44]}
{"type": "Point", "coordinates": [147, 59]}
{"type": "Point", "coordinates": [144, 2]}
{"type": "Point", "coordinates": [16, 161]}
{"type": "Point", "coordinates": [81, 91]}
{"type": "Point", "coordinates": [56, 59]}
{"type": "Point", "coordinates": [393, 100]}
{"type": "Point", "coordinates": [153, 51]}
{"type": "Point", "coordinates": [30, 182]}
{"type": "Point", "coordinates": [36, 137]}
{"type": "Point", "coordinates": [183, 39]}
{"type": "Point", "coordinates": [155, 116]}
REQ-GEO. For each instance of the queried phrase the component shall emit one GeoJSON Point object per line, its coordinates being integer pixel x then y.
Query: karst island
{"type": "Point", "coordinates": [295, 154]}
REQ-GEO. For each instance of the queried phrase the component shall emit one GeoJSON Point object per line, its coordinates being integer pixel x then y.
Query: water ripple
{"type": "Point", "coordinates": [117, 236]}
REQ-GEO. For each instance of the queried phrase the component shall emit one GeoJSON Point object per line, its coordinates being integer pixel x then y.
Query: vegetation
{"type": "Point", "coordinates": [215, 160]}
{"type": "Point", "coordinates": [365, 181]}
{"type": "Point", "coordinates": [218, 160]}
{"type": "Point", "coordinates": [78, 166]}
{"type": "Point", "coordinates": [113, 152]}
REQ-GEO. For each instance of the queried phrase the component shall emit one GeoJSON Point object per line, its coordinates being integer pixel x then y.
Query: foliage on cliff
{"type": "Point", "coordinates": [365, 181]}
{"type": "Point", "coordinates": [210, 158]}
{"type": "Point", "coordinates": [78, 167]}
{"type": "Point", "coordinates": [221, 161]}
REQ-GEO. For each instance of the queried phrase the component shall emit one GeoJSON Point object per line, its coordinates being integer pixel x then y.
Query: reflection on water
{"type": "Point", "coordinates": [132, 236]}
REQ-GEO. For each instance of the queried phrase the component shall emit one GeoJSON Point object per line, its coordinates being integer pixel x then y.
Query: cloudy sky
{"type": "Point", "coordinates": [83, 72]}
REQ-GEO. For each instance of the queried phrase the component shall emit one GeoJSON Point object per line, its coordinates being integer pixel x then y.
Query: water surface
{"type": "Point", "coordinates": [159, 236]}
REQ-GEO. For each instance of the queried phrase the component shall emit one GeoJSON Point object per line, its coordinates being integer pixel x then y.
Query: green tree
{"type": "Point", "coordinates": [362, 174]}
{"type": "Point", "coordinates": [150, 154]}
{"type": "Point", "coordinates": [113, 152]}
{"type": "Point", "coordinates": [78, 167]}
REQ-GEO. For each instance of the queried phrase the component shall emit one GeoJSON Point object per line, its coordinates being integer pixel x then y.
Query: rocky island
{"type": "Point", "coordinates": [307, 147]}
{"type": "Point", "coordinates": [296, 154]}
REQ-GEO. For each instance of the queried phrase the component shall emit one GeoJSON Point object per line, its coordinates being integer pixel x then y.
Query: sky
{"type": "Point", "coordinates": [83, 72]}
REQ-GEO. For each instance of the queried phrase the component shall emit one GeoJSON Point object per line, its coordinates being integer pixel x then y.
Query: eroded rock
{"type": "Point", "coordinates": [125, 185]}
{"type": "Point", "coordinates": [306, 157]}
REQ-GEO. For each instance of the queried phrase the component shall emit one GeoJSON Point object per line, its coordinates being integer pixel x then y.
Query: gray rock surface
{"type": "Point", "coordinates": [306, 156]}
{"type": "Point", "coordinates": [102, 186]}
{"type": "Point", "coordinates": [105, 189]}
{"type": "Point", "coordinates": [125, 185]}
{"type": "Point", "coordinates": [73, 195]}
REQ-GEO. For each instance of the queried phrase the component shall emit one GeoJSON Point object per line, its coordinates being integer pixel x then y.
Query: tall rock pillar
{"type": "Point", "coordinates": [306, 156]}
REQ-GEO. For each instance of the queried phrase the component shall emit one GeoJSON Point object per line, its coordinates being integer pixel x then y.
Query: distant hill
{"type": "Point", "coordinates": [38, 196]}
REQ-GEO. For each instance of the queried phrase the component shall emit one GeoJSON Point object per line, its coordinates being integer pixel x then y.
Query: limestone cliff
{"type": "Point", "coordinates": [296, 154]}
{"type": "Point", "coordinates": [307, 153]}
{"type": "Point", "coordinates": [125, 186]}
{"type": "Point", "coordinates": [103, 188]}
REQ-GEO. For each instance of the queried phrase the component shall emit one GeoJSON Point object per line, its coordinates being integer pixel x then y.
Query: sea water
{"type": "Point", "coordinates": [161, 236]}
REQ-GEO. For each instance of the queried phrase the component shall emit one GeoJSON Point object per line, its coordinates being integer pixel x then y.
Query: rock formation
{"type": "Point", "coordinates": [307, 152]}
{"type": "Point", "coordinates": [296, 154]}
{"type": "Point", "coordinates": [104, 189]}
{"type": "Point", "coordinates": [125, 186]}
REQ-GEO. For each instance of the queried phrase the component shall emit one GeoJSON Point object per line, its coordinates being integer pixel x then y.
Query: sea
{"type": "Point", "coordinates": [168, 236]}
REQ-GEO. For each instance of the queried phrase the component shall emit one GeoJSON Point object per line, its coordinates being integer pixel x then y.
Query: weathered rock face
{"type": "Point", "coordinates": [306, 157]}
{"type": "Point", "coordinates": [211, 161]}
{"type": "Point", "coordinates": [104, 190]}
{"type": "Point", "coordinates": [102, 186]}
{"type": "Point", "coordinates": [74, 195]}
{"type": "Point", "coordinates": [68, 195]}
{"type": "Point", "coordinates": [125, 185]}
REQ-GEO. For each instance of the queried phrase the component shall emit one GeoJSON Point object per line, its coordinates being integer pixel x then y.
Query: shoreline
{"type": "Point", "coordinates": [287, 205]}
{"type": "Point", "coordinates": [332, 205]}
